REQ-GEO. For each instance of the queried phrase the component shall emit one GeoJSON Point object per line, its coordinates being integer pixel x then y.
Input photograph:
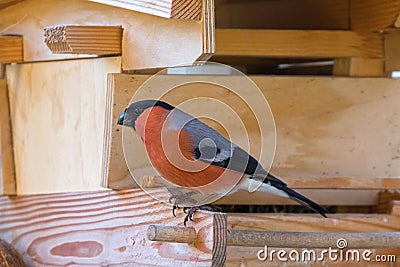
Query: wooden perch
{"type": "Point", "coordinates": [100, 40]}
{"type": "Point", "coordinates": [11, 49]}
{"type": "Point", "coordinates": [250, 238]}
{"type": "Point", "coordinates": [176, 9]}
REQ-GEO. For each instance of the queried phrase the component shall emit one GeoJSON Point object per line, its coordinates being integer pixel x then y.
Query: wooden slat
{"type": "Point", "coordinates": [7, 168]}
{"type": "Point", "coordinates": [283, 14]}
{"type": "Point", "coordinates": [297, 43]}
{"type": "Point", "coordinates": [373, 15]}
{"type": "Point", "coordinates": [71, 39]}
{"type": "Point", "coordinates": [208, 24]}
{"type": "Point", "coordinates": [109, 228]}
{"type": "Point", "coordinates": [149, 41]}
{"type": "Point", "coordinates": [57, 113]}
{"type": "Point", "coordinates": [178, 9]}
{"type": "Point", "coordinates": [322, 123]}
{"type": "Point", "coordinates": [11, 49]}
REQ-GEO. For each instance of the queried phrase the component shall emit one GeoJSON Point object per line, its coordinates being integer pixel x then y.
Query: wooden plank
{"type": "Point", "coordinates": [322, 124]}
{"type": "Point", "coordinates": [297, 43]}
{"type": "Point", "coordinates": [72, 39]}
{"type": "Point", "coordinates": [97, 228]}
{"type": "Point", "coordinates": [392, 51]}
{"type": "Point", "coordinates": [57, 113]}
{"type": "Point", "coordinates": [149, 41]}
{"type": "Point", "coordinates": [373, 15]}
{"type": "Point", "coordinates": [7, 168]}
{"type": "Point", "coordinates": [177, 9]}
{"type": "Point", "coordinates": [306, 14]}
{"type": "Point", "coordinates": [359, 67]}
{"type": "Point", "coordinates": [11, 49]}
{"type": "Point", "coordinates": [109, 228]}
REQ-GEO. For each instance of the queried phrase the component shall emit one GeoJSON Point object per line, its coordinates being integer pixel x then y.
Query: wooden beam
{"type": "Point", "coordinates": [57, 110]}
{"type": "Point", "coordinates": [359, 67]}
{"type": "Point", "coordinates": [7, 168]}
{"type": "Point", "coordinates": [71, 39]}
{"type": "Point", "coordinates": [176, 9]}
{"type": "Point", "coordinates": [11, 49]}
{"type": "Point", "coordinates": [314, 144]}
{"type": "Point", "coordinates": [148, 42]}
{"type": "Point", "coordinates": [373, 15]}
{"type": "Point", "coordinates": [297, 43]}
{"type": "Point", "coordinates": [109, 227]}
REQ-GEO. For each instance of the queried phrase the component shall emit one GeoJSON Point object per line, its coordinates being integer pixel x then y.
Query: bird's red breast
{"type": "Point", "coordinates": [171, 153]}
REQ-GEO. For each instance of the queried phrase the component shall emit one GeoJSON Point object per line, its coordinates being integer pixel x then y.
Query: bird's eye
{"type": "Point", "coordinates": [138, 111]}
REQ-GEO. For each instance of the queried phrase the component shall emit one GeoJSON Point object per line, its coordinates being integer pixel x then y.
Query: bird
{"type": "Point", "coordinates": [189, 153]}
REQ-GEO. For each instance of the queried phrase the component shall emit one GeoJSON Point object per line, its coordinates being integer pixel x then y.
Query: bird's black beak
{"type": "Point", "coordinates": [121, 118]}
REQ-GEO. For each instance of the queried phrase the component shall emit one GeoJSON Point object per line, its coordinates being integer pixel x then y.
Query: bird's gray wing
{"type": "Point", "coordinates": [212, 147]}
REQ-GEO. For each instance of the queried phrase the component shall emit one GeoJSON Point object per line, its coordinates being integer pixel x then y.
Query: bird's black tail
{"type": "Point", "coordinates": [302, 200]}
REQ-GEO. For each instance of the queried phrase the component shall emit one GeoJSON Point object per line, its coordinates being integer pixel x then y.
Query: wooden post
{"type": "Point", "coordinates": [176, 234]}
{"type": "Point", "coordinates": [7, 167]}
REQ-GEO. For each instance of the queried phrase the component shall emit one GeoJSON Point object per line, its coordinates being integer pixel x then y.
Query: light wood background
{"type": "Point", "coordinates": [331, 132]}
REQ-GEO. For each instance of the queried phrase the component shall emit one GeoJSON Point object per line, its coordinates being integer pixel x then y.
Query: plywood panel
{"type": "Point", "coordinates": [331, 132]}
{"type": "Point", "coordinates": [57, 113]}
{"type": "Point", "coordinates": [149, 41]}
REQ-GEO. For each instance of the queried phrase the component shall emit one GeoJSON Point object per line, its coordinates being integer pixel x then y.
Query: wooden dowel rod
{"type": "Point", "coordinates": [176, 234]}
{"type": "Point", "coordinates": [250, 238]}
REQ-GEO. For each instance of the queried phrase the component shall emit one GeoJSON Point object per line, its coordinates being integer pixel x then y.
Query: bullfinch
{"type": "Point", "coordinates": [189, 153]}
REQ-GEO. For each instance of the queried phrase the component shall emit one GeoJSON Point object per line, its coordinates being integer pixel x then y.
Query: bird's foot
{"type": "Point", "coordinates": [177, 199]}
{"type": "Point", "coordinates": [191, 210]}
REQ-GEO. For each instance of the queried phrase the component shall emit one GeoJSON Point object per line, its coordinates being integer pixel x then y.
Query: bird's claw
{"type": "Point", "coordinates": [191, 210]}
{"type": "Point", "coordinates": [176, 199]}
